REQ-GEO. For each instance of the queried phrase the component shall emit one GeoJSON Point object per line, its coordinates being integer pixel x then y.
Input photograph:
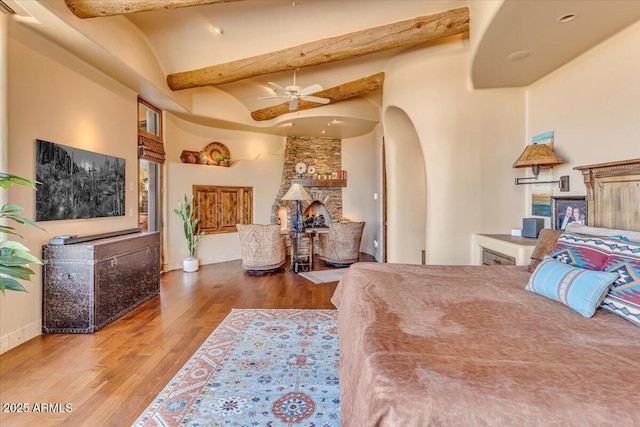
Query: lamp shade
{"type": "Point", "coordinates": [537, 155]}
{"type": "Point", "coordinates": [296, 192]}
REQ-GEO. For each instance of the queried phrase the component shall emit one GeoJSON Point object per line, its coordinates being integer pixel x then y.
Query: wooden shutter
{"type": "Point", "coordinates": [221, 208]}
{"type": "Point", "coordinates": [206, 198]}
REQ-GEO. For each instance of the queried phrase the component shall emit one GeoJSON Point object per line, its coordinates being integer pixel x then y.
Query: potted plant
{"type": "Point", "coordinates": [190, 221]}
{"type": "Point", "coordinates": [14, 256]}
{"type": "Point", "coordinates": [224, 160]}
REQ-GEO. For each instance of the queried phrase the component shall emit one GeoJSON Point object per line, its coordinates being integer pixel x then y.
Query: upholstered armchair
{"type": "Point", "coordinates": [341, 245]}
{"type": "Point", "coordinates": [262, 247]}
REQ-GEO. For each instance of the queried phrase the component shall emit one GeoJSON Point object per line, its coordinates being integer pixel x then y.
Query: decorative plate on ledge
{"type": "Point", "coordinates": [214, 150]}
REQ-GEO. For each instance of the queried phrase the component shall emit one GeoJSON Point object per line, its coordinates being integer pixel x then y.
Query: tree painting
{"type": "Point", "coordinates": [77, 183]}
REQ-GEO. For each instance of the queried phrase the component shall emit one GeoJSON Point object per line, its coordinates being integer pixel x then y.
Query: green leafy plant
{"type": "Point", "coordinates": [14, 256]}
{"type": "Point", "coordinates": [190, 221]}
{"type": "Point", "coordinates": [223, 160]}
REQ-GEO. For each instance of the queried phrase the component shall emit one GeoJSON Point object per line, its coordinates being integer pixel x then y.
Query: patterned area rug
{"type": "Point", "coordinates": [324, 276]}
{"type": "Point", "coordinates": [258, 368]}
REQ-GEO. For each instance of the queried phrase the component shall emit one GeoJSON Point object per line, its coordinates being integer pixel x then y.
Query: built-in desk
{"type": "Point", "coordinates": [501, 249]}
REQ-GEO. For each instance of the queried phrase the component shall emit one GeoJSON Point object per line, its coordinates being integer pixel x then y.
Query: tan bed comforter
{"type": "Point", "coordinates": [467, 345]}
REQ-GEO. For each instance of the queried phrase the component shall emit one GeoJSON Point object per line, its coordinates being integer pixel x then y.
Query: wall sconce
{"type": "Point", "coordinates": [537, 156]}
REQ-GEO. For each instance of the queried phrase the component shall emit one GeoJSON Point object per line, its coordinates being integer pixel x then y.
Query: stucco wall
{"type": "Point", "coordinates": [361, 158]}
{"type": "Point", "coordinates": [593, 106]}
{"type": "Point", "coordinates": [54, 97]}
{"type": "Point", "coordinates": [469, 140]}
{"type": "Point", "coordinates": [257, 161]}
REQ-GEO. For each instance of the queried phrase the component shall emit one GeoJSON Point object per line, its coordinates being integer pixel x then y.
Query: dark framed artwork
{"type": "Point", "coordinates": [75, 183]}
{"type": "Point", "coordinates": [568, 209]}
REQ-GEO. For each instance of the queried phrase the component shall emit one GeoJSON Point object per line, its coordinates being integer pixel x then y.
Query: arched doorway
{"type": "Point", "coordinates": [406, 189]}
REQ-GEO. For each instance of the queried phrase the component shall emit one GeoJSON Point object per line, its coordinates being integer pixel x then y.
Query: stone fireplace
{"type": "Point", "coordinates": [324, 154]}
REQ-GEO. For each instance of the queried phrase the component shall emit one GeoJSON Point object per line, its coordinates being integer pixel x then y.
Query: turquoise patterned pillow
{"type": "Point", "coordinates": [582, 290]}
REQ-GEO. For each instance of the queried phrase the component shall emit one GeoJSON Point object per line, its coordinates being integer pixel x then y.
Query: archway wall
{"type": "Point", "coordinates": [406, 189]}
{"type": "Point", "coordinates": [469, 140]}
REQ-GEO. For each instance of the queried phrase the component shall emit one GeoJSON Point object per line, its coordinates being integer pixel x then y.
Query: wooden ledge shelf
{"type": "Point", "coordinates": [307, 182]}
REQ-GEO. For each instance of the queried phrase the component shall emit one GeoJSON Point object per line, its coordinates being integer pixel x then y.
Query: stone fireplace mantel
{"type": "Point", "coordinates": [307, 182]}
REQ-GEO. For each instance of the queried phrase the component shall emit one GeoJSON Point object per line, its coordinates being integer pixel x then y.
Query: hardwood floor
{"type": "Point", "coordinates": [108, 378]}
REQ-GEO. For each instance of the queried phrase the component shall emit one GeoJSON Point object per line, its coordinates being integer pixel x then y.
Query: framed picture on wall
{"type": "Point", "coordinates": [568, 209]}
{"type": "Point", "coordinates": [75, 183]}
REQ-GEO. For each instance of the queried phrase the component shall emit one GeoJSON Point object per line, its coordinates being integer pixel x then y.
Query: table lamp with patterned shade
{"type": "Point", "coordinates": [297, 193]}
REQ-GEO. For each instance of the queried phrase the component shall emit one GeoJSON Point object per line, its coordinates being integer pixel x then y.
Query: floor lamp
{"type": "Point", "coordinates": [296, 193]}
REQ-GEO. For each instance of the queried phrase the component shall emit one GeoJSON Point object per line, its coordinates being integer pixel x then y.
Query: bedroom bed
{"type": "Point", "coordinates": [468, 345]}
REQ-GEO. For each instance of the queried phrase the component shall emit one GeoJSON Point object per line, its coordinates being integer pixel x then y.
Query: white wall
{"type": "Point", "coordinates": [593, 105]}
{"type": "Point", "coordinates": [469, 140]}
{"type": "Point", "coordinates": [257, 161]}
{"type": "Point", "coordinates": [53, 96]}
{"type": "Point", "coordinates": [361, 158]}
{"type": "Point", "coordinates": [407, 241]}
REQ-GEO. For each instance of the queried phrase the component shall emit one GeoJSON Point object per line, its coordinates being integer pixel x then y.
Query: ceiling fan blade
{"type": "Point", "coordinates": [311, 89]}
{"type": "Point", "coordinates": [293, 104]}
{"type": "Point", "coordinates": [276, 87]}
{"type": "Point", "coordinates": [316, 99]}
{"type": "Point", "coordinates": [273, 97]}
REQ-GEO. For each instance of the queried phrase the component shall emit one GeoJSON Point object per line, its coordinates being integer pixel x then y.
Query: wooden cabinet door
{"type": "Point", "coordinates": [207, 200]}
{"type": "Point", "coordinates": [221, 208]}
{"type": "Point", "coordinates": [230, 209]}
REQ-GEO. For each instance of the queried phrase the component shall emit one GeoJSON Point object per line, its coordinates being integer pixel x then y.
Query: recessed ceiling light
{"type": "Point", "coordinates": [216, 29]}
{"type": "Point", "coordinates": [519, 55]}
{"type": "Point", "coordinates": [567, 18]}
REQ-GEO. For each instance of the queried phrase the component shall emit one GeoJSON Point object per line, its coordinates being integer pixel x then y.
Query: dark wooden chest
{"type": "Point", "coordinates": [88, 285]}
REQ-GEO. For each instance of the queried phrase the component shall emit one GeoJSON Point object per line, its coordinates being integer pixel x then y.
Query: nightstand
{"type": "Point", "coordinates": [501, 249]}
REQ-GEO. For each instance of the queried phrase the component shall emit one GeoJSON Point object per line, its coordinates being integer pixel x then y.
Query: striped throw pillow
{"type": "Point", "coordinates": [580, 289]}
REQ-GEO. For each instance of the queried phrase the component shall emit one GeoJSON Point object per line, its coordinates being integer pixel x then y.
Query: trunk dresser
{"type": "Point", "coordinates": [91, 283]}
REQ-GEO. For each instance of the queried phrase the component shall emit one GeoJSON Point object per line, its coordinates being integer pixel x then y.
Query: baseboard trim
{"type": "Point", "coordinates": [24, 334]}
{"type": "Point", "coordinates": [203, 261]}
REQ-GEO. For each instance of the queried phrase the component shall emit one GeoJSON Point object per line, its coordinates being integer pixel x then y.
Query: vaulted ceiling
{"type": "Point", "coordinates": [211, 61]}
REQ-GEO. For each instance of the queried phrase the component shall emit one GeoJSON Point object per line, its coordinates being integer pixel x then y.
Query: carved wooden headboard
{"type": "Point", "coordinates": [613, 194]}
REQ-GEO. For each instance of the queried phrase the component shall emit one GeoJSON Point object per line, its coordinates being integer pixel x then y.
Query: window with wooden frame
{"type": "Point", "coordinates": [221, 208]}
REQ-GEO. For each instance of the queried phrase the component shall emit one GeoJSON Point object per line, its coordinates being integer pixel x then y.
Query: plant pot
{"type": "Point", "coordinates": [189, 265]}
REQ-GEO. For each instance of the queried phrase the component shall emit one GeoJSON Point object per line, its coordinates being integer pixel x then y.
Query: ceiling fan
{"type": "Point", "coordinates": [295, 93]}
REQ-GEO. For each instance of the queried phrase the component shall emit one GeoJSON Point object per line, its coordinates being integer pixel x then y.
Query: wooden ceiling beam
{"type": "Point", "coordinates": [97, 8]}
{"type": "Point", "coordinates": [335, 94]}
{"type": "Point", "coordinates": [397, 35]}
